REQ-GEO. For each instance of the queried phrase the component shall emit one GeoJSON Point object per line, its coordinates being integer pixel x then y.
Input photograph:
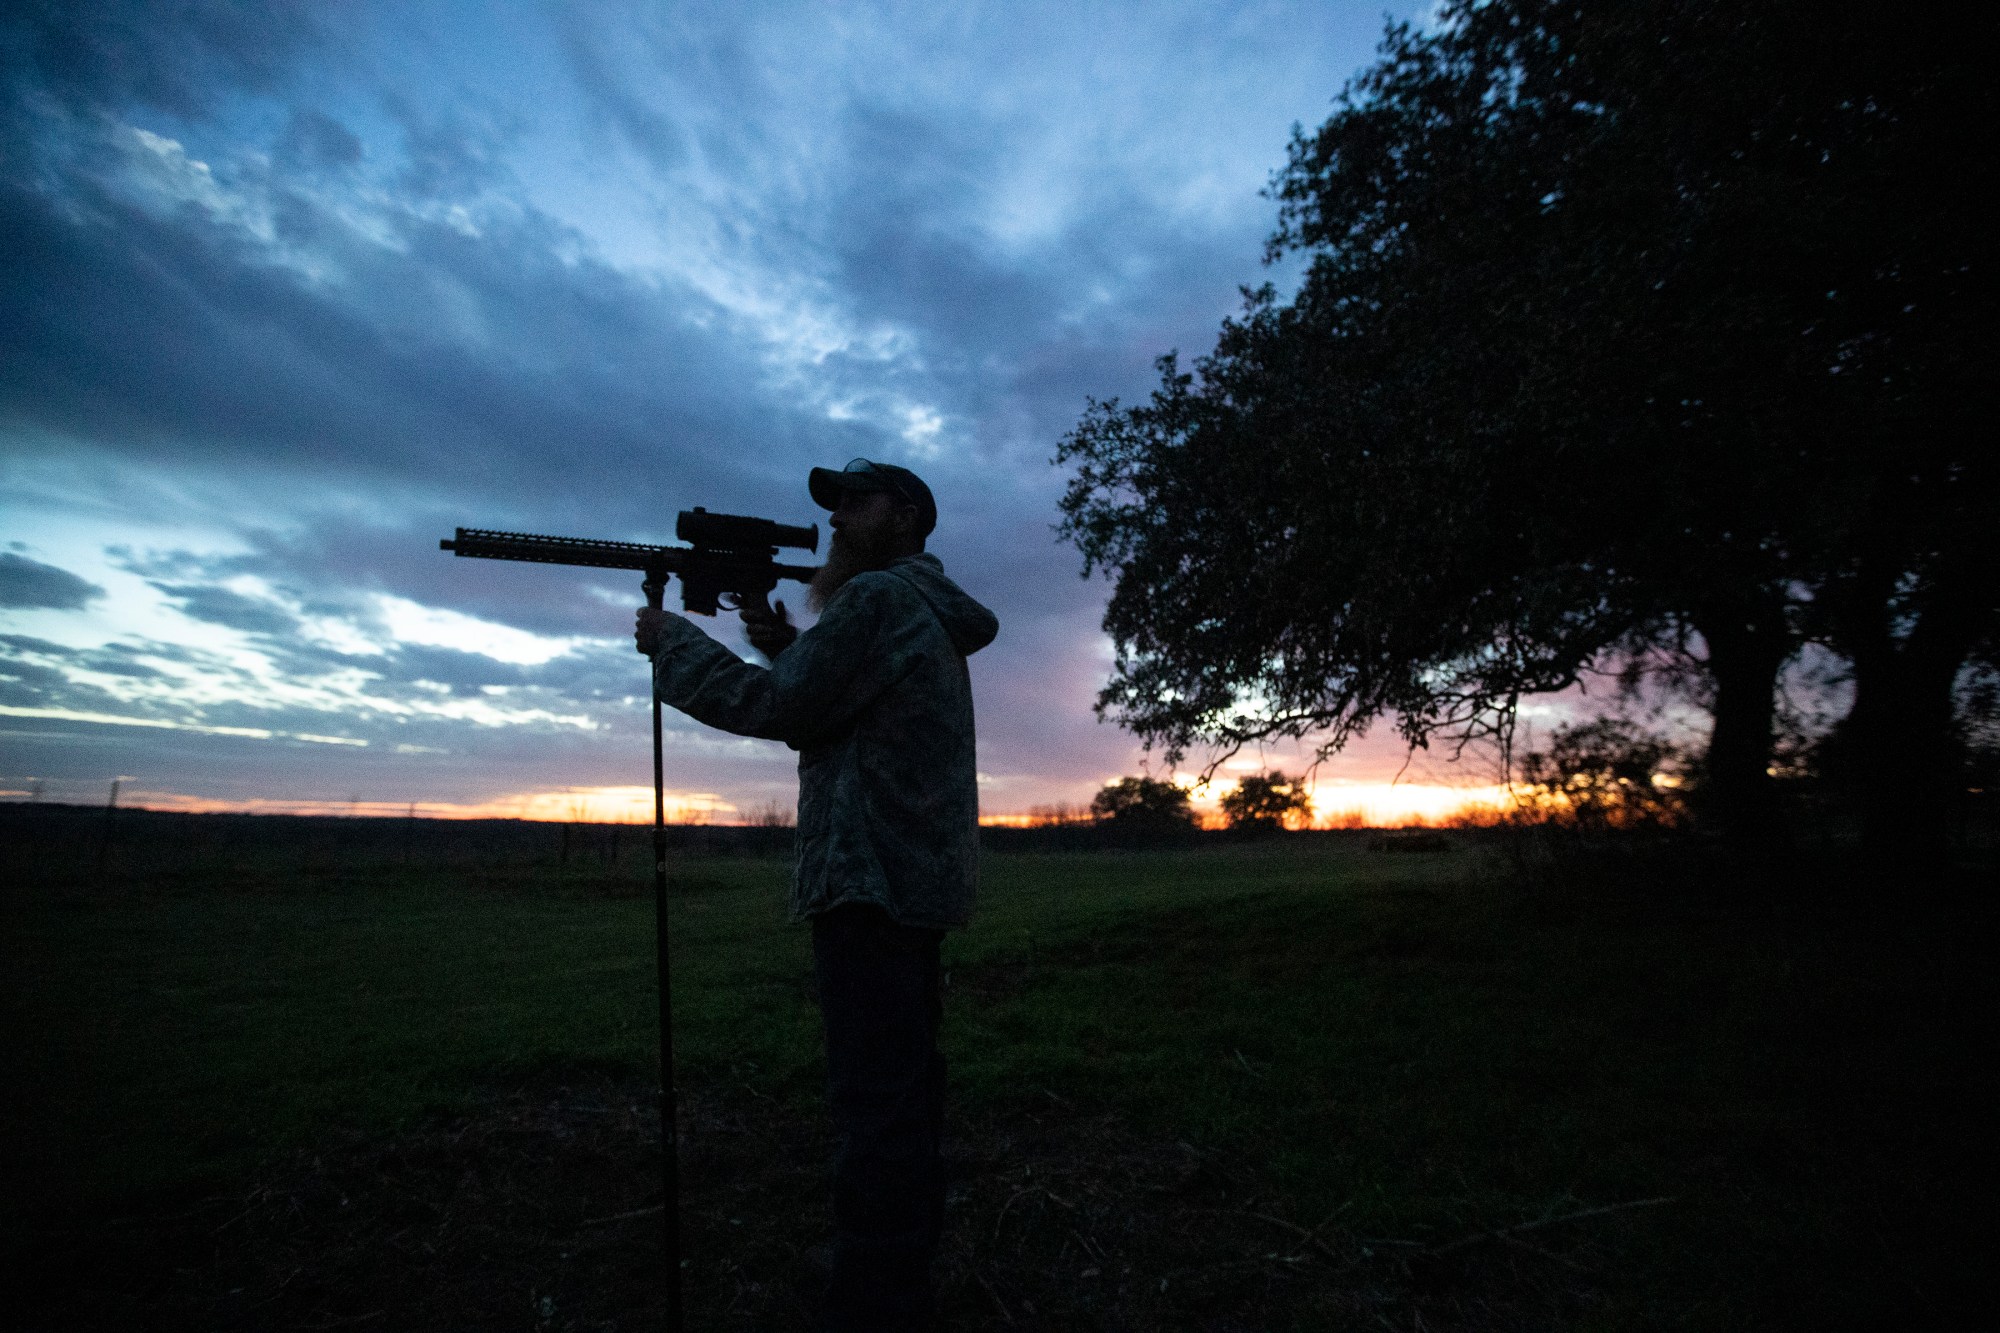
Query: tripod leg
{"type": "Point", "coordinates": [670, 1170]}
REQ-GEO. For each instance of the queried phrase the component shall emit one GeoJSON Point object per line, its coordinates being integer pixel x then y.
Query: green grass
{"type": "Point", "coordinates": [167, 1038]}
{"type": "Point", "coordinates": [1405, 1038]}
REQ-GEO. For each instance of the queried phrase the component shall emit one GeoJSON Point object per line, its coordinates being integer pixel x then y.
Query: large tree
{"type": "Point", "coordinates": [1624, 326]}
{"type": "Point", "coordinates": [1263, 802]}
{"type": "Point", "coordinates": [1143, 809]}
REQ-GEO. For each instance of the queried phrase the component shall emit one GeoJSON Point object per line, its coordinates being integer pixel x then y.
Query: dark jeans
{"type": "Point", "coordinates": [881, 1001]}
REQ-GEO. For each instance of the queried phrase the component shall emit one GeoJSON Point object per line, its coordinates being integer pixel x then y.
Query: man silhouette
{"type": "Point", "coordinates": [877, 700]}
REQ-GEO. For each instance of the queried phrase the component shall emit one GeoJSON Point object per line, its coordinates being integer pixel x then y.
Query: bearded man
{"type": "Point", "coordinates": [877, 700]}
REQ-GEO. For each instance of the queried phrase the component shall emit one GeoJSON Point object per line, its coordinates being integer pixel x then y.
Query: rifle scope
{"type": "Point", "coordinates": [733, 532]}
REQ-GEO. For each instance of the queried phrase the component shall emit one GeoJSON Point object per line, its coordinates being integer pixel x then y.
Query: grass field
{"type": "Point", "coordinates": [1285, 1085]}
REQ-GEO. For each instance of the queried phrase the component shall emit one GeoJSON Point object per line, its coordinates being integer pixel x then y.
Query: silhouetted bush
{"type": "Point", "coordinates": [1142, 811]}
{"type": "Point", "coordinates": [1605, 774]}
{"type": "Point", "coordinates": [1266, 803]}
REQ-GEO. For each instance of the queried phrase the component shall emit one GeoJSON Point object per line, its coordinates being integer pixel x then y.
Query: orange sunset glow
{"type": "Point", "coordinates": [577, 805]}
{"type": "Point", "coordinates": [1374, 804]}
{"type": "Point", "coordinates": [1334, 805]}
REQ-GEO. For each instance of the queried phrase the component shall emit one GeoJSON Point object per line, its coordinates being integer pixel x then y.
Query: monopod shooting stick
{"type": "Point", "coordinates": [727, 557]}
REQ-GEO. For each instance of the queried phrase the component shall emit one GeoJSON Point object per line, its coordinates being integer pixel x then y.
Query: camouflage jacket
{"type": "Point", "coordinates": [878, 703]}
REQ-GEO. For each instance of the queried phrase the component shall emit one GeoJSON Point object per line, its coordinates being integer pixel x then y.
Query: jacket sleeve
{"type": "Point", "coordinates": [817, 685]}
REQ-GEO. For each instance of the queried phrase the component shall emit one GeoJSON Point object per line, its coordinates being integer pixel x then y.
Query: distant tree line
{"type": "Point", "coordinates": [1653, 336]}
{"type": "Point", "coordinates": [1142, 809]}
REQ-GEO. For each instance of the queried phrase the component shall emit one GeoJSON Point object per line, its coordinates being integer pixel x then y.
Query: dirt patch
{"type": "Point", "coordinates": [539, 1209]}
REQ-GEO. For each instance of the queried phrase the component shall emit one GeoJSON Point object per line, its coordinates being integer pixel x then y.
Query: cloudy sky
{"type": "Point", "coordinates": [288, 291]}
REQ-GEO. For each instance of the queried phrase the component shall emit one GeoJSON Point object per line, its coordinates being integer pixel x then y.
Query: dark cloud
{"type": "Point", "coordinates": [410, 754]}
{"type": "Point", "coordinates": [33, 674]}
{"type": "Point", "coordinates": [27, 643]}
{"type": "Point", "coordinates": [182, 60]}
{"type": "Point", "coordinates": [30, 583]}
{"type": "Point", "coordinates": [465, 673]}
{"type": "Point", "coordinates": [328, 566]}
{"type": "Point", "coordinates": [27, 684]}
{"type": "Point", "coordinates": [592, 51]}
{"type": "Point", "coordinates": [403, 696]}
{"type": "Point", "coordinates": [123, 659]}
{"type": "Point", "coordinates": [220, 606]}
{"type": "Point", "coordinates": [481, 365]}
{"type": "Point", "coordinates": [133, 659]}
{"type": "Point", "coordinates": [315, 142]}
{"type": "Point", "coordinates": [902, 220]}
{"type": "Point", "coordinates": [1020, 341]}
{"type": "Point", "coordinates": [448, 155]}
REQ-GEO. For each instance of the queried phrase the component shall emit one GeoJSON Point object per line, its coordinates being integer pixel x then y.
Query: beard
{"type": "Point", "coordinates": [848, 553]}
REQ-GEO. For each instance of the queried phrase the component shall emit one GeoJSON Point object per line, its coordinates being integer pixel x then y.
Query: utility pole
{"type": "Point", "coordinates": [104, 842]}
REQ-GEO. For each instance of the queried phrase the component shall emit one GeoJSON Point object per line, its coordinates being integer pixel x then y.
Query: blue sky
{"type": "Point", "coordinates": [289, 291]}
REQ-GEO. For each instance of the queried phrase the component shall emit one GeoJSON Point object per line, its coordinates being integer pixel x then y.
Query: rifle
{"type": "Point", "coordinates": [727, 556]}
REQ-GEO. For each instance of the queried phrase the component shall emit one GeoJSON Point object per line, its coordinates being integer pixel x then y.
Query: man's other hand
{"type": "Point", "coordinates": [770, 630]}
{"type": "Point", "coordinates": [646, 630]}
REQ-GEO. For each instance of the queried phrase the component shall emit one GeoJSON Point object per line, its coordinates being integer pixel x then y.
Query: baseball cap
{"type": "Point", "coordinates": [827, 486]}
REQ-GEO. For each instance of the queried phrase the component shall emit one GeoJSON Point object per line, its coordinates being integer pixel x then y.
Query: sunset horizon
{"type": "Point", "coordinates": [1333, 806]}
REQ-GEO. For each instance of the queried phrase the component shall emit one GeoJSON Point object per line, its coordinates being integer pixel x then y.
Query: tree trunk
{"type": "Point", "coordinates": [1904, 758]}
{"type": "Point", "coordinates": [1739, 795]}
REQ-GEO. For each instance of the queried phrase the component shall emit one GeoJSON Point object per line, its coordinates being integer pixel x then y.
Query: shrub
{"type": "Point", "coordinates": [1606, 774]}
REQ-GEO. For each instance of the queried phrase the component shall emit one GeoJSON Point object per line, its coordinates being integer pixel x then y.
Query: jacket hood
{"type": "Point", "coordinates": [970, 625]}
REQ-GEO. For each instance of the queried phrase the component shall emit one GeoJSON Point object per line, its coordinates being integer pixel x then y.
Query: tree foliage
{"type": "Point", "coordinates": [1624, 327]}
{"type": "Point", "coordinates": [1605, 774]}
{"type": "Point", "coordinates": [1266, 802]}
{"type": "Point", "coordinates": [1143, 808]}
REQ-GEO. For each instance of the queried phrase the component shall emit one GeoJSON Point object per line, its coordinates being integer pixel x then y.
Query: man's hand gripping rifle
{"type": "Point", "coordinates": [727, 556]}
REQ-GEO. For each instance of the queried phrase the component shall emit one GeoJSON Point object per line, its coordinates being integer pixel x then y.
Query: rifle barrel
{"type": "Point", "coordinates": [541, 550]}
